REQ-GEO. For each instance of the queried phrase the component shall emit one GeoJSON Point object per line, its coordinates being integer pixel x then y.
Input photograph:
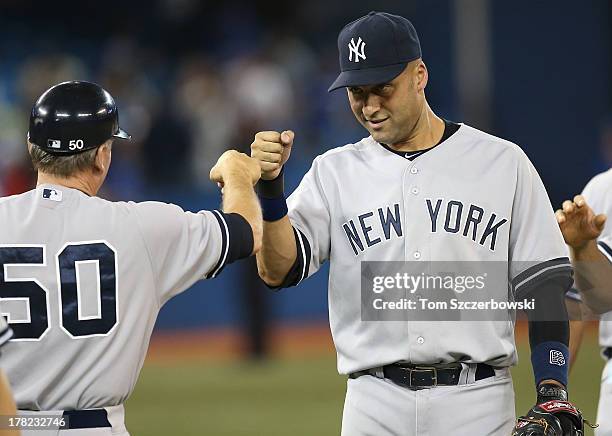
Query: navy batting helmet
{"type": "Point", "coordinates": [73, 117]}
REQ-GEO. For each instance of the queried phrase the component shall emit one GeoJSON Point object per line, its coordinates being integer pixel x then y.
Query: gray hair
{"type": "Point", "coordinates": [62, 166]}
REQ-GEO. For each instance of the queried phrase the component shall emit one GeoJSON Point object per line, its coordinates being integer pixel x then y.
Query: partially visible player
{"type": "Point", "coordinates": [83, 278]}
{"type": "Point", "coordinates": [7, 405]}
{"type": "Point", "coordinates": [583, 224]}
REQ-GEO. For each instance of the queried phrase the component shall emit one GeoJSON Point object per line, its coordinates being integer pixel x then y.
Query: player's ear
{"type": "Point", "coordinates": [108, 149]}
{"type": "Point", "coordinates": [97, 164]}
{"type": "Point", "coordinates": [103, 157]}
{"type": "Point", "coordinates": [422, 76]}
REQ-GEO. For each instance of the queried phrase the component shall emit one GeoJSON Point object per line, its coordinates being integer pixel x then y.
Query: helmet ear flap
{"type": "Point", "coordinates": [72, 117]}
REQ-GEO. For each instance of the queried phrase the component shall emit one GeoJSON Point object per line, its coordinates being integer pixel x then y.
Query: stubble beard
{"type": "Point", "coordinates": [382, 137]}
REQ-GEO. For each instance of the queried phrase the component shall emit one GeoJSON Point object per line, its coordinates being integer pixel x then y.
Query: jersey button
{"type": "Point", "coordinates": [414, 170]}
{"type": "Point", "coordinates": [417, 255]}
{"type": "Point", "coordinates": [420, 340]}
{"type": "Point", "coordinates": [415, 190]}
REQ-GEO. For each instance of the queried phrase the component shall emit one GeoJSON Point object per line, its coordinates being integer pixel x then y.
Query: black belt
{"type": "Point", "coordinates": [425, 376]}
{"type": "Point", "coordinates": [87, 418]}
{"type": "Point", "coordinates": [90, 418]}
{"type": "Point", "coordinates": [608, 352]}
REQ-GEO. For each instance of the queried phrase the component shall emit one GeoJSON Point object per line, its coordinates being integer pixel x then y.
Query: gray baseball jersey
{"type": "Point", "coordinates": [82, 280]}
{"type": "Point", "coordinates": [598, 193]}
{"type": "Point", "coordinates": [473, 197]}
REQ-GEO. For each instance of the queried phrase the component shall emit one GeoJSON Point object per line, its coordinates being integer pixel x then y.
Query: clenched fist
{"type": "Point", "coordinates": [233, 164]}
{"type": "Point", "coordinates": [578, 222]}
{"type": "Point", "coordinates": [272, 150]}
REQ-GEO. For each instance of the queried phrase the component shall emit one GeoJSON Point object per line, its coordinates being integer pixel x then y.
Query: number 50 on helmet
{"type": "Point", "coordinates": [73, 117]}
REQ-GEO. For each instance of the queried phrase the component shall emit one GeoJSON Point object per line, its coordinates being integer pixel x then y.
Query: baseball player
{"type": "Point", "coordinates": [82, 279]}
{"type": "Point", "coordinates": [583, 224]}
{"type": "Point", "coordinates": [419, 189]}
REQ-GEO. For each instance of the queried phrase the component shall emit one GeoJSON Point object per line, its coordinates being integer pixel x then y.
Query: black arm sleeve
{"type": "Point", "coordinates": [548, 321]}
{"type": "Point", "coordinates": [241, 237]}
{"type": "Point", "coordinates": [237, 240]}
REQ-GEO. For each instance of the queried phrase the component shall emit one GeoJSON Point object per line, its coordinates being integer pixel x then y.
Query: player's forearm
{"type": "Point", "coordinates": [239, 197]}
{"type": "Point", "coordinates": [593, 277]}
{"type": "Point", "coordinates": [576, 334]}
{"type": "Point", "coordinates": [278, 251]}
{"type": "Point", "coordinates": [574, 311]}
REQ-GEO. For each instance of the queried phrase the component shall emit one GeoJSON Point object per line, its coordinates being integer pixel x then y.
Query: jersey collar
{"type": "Point", "coordinates": [450, 128]}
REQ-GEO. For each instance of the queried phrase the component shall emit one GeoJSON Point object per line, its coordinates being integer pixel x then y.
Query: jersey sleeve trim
{"type": "Point", "coordinates": [524, 281]}
{"type": "Point", "coordinates": [5, 335]}
{"type": "Point", "coordinates": [236, 240]}
{"type": "Point", "coordinates": [224, 244]}
{"type": "Point", "coordinates": [304, 251]}
{"type": "Point", "coordinates": [605, 249]}
{"type": "Point", "coordinates": [299, 269]}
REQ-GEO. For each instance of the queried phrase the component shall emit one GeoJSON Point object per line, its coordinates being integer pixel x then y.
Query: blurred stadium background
{"type": "Point", "coordinates": [194, 78]}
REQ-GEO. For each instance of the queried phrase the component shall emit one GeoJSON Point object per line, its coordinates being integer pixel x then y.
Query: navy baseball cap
{"type": "Point", "coordinates": [375, 49]}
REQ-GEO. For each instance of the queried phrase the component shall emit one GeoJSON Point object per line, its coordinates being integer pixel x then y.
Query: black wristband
{"type": "Point", "coordinates": [551, 391]}
{"type": "Point", "coordinates": [274, 188]}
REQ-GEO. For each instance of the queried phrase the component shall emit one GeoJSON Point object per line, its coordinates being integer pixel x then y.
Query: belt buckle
{"type": "Point", "coordinates": [434, 377]}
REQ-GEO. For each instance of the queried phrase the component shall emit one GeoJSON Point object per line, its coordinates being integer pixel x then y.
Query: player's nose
{"type": "Point", "coordinates": [369, 112]}
{"type": "Point", "coordinates": [370, 107]}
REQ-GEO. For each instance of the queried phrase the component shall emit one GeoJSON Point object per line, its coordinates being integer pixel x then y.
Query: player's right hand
{"type": "Point", "coordinates": [233, 164]}
{"type": "Point", "coordinates": [272, 150]}
{"type": "Point", "coordinates": [578, 222]}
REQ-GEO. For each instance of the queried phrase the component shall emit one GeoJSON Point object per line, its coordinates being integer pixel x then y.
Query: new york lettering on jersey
{"type": "Point", "coordinates": [386, 222]}
{"type": "Point", "coordinates": [389, 223]}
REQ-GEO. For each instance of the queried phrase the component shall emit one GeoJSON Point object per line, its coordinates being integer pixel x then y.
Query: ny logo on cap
{"type": "Point", "coordinates": [356, 49]}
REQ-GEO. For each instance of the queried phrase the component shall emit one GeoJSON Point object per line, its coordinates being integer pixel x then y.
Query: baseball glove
{"type": "Point", "coordinates": [553, 415]}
